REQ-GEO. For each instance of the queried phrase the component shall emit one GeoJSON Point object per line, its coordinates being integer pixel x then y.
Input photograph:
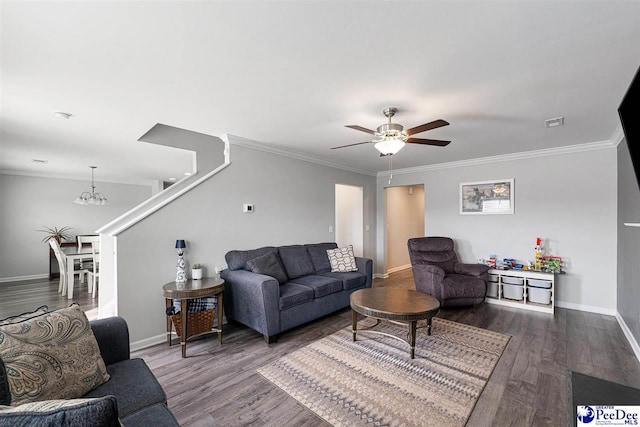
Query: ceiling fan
{"type": "Point", "coordinates": [392, 137]}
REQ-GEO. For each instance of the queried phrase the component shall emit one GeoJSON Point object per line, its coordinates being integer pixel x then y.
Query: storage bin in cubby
{"type": "Point", "coordinates": [514, 292]}
{"type": "Point", "coordinates": [539, 295]}
{"type": "Point", "coordinates": [513, 280]}
{"type": "Point", "coordinates": [492, 290]}
{"type": "Point", "coordinates": [537, 283]}
{"type": "Point", "coordinates": [493, 278]}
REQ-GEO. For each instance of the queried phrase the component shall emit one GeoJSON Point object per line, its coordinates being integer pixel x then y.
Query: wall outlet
{"type": "Point", "coordinates": [331, 229]}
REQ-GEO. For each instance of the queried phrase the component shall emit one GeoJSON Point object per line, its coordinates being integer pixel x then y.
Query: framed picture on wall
{"type": "Point", "coordinates": [486, 197]}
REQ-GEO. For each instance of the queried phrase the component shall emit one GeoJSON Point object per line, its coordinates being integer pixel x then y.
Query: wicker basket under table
{"type": "Point", "coordinates": [197, 323]}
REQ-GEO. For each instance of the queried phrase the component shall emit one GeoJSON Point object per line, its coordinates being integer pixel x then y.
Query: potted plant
{"type": "Point", "coordinates": [196, 271]}
{"type": "Point", "coordinates": [59, 234]}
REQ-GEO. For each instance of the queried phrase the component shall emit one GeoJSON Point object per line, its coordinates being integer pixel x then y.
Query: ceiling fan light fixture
{"type": "Point", "coordinates": [389, 146]}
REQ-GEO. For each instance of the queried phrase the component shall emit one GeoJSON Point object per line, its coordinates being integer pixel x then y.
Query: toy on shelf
{"type": "Point", "coordinates": [552, 264]}
{"type": "Point", "coordinates": [538, 254]}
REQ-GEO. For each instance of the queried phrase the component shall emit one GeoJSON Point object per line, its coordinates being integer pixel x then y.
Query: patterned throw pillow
{"type": "Point", "coordinates": [24, 316]}
{"type": "Point", "coordinates": [51, 356]}
{"type": "Point", "coordinates": [101, 412]}
{"type": "Point", "coordinates": [342, 259]}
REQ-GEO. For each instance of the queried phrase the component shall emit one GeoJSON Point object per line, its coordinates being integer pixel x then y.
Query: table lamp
{"type": "Point", "coordinates": [181, 274]}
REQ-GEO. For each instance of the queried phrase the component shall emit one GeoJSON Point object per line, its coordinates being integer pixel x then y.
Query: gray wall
{"type": "Point", "coordinates": [294, 203]}
{"type": "Point", "coordinates": [568, 199]}
{"type": "Point", "coordinates": [628, 243]}
{"type": "Point", "coordinates": [29, 203]}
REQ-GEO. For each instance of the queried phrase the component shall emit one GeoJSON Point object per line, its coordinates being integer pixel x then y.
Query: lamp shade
{"type": "Point", "coordinates": [180, 244]}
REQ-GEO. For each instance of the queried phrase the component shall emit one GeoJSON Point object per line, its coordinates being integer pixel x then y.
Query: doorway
{"type": "Point", "coordinates": [404, 208]}
{"type": "Point", "coordinates": [350, 217]}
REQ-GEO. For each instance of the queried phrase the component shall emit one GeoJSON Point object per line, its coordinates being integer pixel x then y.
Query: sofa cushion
{"type": "Point", "coordinates": [101, 412]}
{"type": "Point", "coordinates": [268, 264]}
{"type": "Point", "coordinates": [292, 294]}
{"type": "Point", "coordinates": [5, 394]}
{"type": "Point", "coordinates": [342, 259]}
{"type": "Point", "coordinates": [24, 316]}
{"type": "Point", "coordinates": [350, 280]}
{"type": "Point", "coordinates": [296, 260]}
{"type": "Point", "coordinates": [52, 356]}
{"type": "Point", "coordinates": [319, 257]}
{"type": "Point", "coordinates": [237, 260]}
{"type": "Point", "coordinates": [133, 385]}
{"type": "Point", "coordinates": [321, 285]}
{"type": "Point", "coordinates": [157, 415]}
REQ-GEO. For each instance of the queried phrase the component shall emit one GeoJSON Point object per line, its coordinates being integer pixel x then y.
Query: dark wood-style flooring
{"type": "Point", "coordinates": [218, 385]}
{"type": "Point", "coordinates": [23, 296]}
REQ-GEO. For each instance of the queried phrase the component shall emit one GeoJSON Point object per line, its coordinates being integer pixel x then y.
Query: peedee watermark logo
{"type": "Point", "coordinates": [593, 415]}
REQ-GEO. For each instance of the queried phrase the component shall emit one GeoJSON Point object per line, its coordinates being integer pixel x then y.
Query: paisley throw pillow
{"type": "Point", "coordinates": [51, 356]}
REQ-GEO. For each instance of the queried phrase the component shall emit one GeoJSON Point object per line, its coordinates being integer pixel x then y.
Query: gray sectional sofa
{"type": "Point", "coordinates": [271, 304]}
{"type": "Point", "coordinates": [131, 397]}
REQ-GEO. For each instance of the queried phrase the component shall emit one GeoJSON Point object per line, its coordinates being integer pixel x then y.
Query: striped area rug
{"type": "Point", "coordinates": [373, 381]}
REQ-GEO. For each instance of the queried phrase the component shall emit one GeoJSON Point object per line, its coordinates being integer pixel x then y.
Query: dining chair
{"type": "Point", "coordinates": [86, 239]}
{"type": "Point", "coordinates": [94, 273]}
{"type": "Point", "coordinates": [62, 266]}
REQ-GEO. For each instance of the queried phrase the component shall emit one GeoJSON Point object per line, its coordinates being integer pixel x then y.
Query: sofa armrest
{"type": "Point", "coordinates": [476, 270]}
{"type": "Point", "coordinates": [365, 266]}
{"type": "Point", "coordinates": [252, 299]}
{"type": "Point", "coordinates": [112, 335]}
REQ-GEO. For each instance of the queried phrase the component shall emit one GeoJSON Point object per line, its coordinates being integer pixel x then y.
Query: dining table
{"type": "Point", "coordinates": [72, 253]}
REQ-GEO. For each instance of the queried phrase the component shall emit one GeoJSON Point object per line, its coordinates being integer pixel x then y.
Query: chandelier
{"type": "Point", "coordinates": [92, 198]}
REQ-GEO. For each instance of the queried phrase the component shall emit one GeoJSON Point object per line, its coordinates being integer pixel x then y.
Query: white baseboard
{"type": "Point", "coordinates": [395, 269]}
{"type": "Point", "coordinates": [589, 308]}
{"type": "Point", "coordinates": [627, 333]}
{"type": "Point", "coordinates": [22, 278]}
{"type": "Point", "coordinates": [381, 275]}
{"type": "Point", "coordinates": [148, 342]}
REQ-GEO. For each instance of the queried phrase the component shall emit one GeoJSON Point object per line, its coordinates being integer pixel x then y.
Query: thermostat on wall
{"type": "Point", "coordinates": [247, 207]}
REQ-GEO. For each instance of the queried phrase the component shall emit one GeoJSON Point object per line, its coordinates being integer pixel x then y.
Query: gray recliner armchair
{"type": "Point", "coordinates": [437, 272]}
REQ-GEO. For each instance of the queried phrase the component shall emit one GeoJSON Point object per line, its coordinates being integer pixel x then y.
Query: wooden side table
{"type": "Point", "coordinates": [206, 287]}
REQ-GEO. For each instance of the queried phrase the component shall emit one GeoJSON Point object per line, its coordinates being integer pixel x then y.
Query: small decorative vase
{"type": "Point", "coordinates": [196, 273]}
{"type": "Point", "coordinates": [181, 274]}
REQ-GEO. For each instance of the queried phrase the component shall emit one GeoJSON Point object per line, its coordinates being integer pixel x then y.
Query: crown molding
{"type": "Point", "coordinates": [618, 135]}
{"type": "Point", "coordinates": [255, 145]}
{"type": "Point", "coordinates": [578, 148]}
{"type": "Point", "coordinates": [145, 182]}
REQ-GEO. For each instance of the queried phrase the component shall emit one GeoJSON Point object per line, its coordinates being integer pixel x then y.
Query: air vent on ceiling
{"type": "Point", "coordinates": [552, 123]}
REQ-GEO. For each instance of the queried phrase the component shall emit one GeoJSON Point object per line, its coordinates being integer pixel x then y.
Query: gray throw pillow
{"type": "Point", "coordinates": [101, 412]}
{"type": "Point", "coordinates": [268, 265]}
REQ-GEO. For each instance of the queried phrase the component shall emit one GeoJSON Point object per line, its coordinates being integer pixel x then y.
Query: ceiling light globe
{"type": "Point", "coordinates": [389, 146]}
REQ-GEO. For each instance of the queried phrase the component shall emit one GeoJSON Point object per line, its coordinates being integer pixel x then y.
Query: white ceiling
{"type": "Point", "coordinates": [292, 74]}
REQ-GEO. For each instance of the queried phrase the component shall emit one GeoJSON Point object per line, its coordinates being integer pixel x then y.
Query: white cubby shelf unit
{"type": "Point", "coordinates": [526, 289]}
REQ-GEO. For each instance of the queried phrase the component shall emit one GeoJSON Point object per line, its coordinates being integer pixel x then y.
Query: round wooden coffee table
{"type": "Point", "coordinates": [395, 305]}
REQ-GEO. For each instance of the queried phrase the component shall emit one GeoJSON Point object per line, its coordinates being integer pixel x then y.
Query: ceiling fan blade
{"type": "Point", "coordinates": [438, 142]}
{"type": "Point", "coordinates": [427, 126]}
{"type": "Point", "coordinates": [361, 129]}
{"type": "Point", "coordinates": [351, 145]}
